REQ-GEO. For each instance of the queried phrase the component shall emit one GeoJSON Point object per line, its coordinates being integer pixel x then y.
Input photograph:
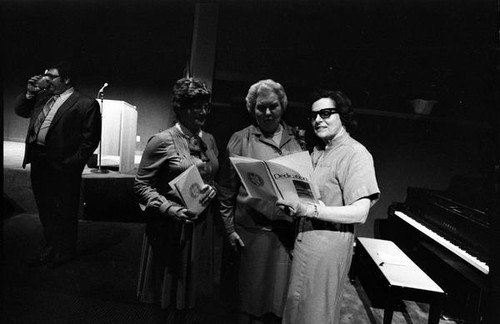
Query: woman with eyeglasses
{"type": "Point", "coordinates": [260, 233]}
{"type": "Point", "coordinates": [345, 175]}
{"type": "Point", "coordinates": [177, 265]}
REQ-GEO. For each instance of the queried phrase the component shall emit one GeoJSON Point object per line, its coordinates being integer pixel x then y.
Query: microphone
{"type": "Point", "coordinates": [104, 86]}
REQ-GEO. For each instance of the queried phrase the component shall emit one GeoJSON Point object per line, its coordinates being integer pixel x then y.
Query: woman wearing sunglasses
{"type": "Point", "coordinates": [345, 175]}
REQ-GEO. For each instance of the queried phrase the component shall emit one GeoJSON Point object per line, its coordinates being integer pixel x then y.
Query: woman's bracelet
{"type": "Point", "coordinates": [315, 213]}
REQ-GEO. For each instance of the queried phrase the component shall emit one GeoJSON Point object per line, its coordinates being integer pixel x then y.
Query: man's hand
{"type": "Point", "coordinates": [33, 86]}
{"type": "Point", "coordinates": [235, 241]}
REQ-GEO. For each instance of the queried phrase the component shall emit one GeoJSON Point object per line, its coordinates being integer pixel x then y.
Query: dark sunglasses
{"type": "Point", "coordinates": [323, 113]}
{"type": "Point", "coordinates": [199, 108]}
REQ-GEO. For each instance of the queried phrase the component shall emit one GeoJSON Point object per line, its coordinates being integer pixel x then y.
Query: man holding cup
{"type": "Point", "coordinates": [64, 131]}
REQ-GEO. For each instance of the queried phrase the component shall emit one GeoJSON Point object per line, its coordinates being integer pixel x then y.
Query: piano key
{"type": "Point", "coordinates": [472, 260]}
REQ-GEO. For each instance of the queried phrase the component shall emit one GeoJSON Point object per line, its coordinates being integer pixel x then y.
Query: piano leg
{"type": "Point", "coordinates": [435, 311]}
{"type": "Point", "coordinates": [394, 301]}
{"type": "Point", "coordinates": [388, 315]}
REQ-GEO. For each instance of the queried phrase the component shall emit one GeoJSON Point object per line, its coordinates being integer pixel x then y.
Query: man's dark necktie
{"type": "Point", "coordinates": [40, 118]}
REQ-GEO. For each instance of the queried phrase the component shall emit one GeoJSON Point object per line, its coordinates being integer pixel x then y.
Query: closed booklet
{"type": "Point", "coordinates": [188, 186]}
{"type": "Point", "coordinates": [287, 177]}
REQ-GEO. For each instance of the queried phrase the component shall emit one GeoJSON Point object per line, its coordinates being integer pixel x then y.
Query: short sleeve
{"type": "Point", "coordinates": [358, 178]}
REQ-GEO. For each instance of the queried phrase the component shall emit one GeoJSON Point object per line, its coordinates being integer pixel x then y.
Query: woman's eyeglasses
{"type": "Point", "coordinates": [199, 108]}
{"type": "Point", "coordinates": [323, 113]}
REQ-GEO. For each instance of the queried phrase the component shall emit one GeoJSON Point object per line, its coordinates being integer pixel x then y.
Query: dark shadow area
{"type": "Point", "coordinates": [10, 207]}
{"type": "Point", "coordinates": [102, 239]}
{"type": "Point", "coordinates": [365, 301]}
{"type": "Point", "coordinates": [111, 199]}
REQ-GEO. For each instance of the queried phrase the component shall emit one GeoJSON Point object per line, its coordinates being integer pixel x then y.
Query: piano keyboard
{"type": "Point", "coordinates": [475, 262]}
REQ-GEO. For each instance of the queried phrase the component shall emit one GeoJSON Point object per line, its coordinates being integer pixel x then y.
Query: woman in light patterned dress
{"type": "Point", "coordinates": [345, 175]}
{"type": "Point", "coordinates": [178, 265]}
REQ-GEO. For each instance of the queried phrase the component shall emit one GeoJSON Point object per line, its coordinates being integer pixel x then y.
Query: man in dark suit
{"type": "Point", "coordinates": [64, 131]}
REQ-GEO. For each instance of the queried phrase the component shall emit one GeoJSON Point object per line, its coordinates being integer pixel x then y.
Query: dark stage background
{"type": "Point", "coordinates": [382, 53]}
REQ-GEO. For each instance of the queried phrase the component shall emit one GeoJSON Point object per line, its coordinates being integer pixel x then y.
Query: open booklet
{"type": "Point", "coordinates": [187, 186]}
{"type": "Point", "coordinates": [286, 177]}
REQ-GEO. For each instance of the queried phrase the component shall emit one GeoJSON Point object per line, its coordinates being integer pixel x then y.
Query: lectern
{"type": "Point", "coordinates": [119, 129]}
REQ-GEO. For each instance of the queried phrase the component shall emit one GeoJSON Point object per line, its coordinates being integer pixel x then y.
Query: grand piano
{"type": "Point", "coordinates": [450, 242]}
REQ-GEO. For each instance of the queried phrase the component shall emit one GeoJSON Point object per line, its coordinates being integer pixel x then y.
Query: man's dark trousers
{"type": "Point", "coordinates": [57, 194]}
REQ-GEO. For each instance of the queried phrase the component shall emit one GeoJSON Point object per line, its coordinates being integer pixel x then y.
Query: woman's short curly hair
{"type": "Point", "coordinates": [342, 103]}
{"type": "Point", "coordinates": [255, 89]}
{"type": "Point", "coordinates": [189, 90]}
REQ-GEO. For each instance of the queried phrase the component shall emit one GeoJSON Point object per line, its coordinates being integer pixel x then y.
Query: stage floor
{"type": "Point", "coordinates": [105, 196]}
{"type": "Point", "coordinates": [13, 153]}
{"type": "Point", "coordinates": [101, 284]}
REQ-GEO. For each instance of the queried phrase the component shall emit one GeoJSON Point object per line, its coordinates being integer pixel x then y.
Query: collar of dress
{"type": "Point", "coordinates": [338, 140]}
{"type": "Point", "coordinates": [186, 132]}
{"type": "Point", "coordinates": [256, 130]}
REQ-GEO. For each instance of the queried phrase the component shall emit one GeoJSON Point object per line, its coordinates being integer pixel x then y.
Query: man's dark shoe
{"type": "Point", "coordinates": [45, 254]}
{"type": "Point", "coordinates": [35, 262]}
{"type": "Point", "coordinates": [57, 259]}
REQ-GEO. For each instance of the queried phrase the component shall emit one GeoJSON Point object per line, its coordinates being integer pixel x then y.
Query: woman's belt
{"type": "Point", "coordinates": [316, 224]}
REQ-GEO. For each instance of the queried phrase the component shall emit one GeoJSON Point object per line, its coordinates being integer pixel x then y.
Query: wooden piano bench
{"type": "Point", "coordinates": [380, 265]}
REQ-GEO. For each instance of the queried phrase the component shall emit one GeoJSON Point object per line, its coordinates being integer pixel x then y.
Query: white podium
{"type": "Point", "coordinates": [119, 130]}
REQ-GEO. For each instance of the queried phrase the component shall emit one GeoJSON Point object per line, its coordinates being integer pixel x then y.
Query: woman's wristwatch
{"type": "Point", "coordinates": [315, 212]}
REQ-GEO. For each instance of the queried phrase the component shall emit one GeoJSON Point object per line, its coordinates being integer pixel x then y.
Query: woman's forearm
{"type": "Point", "coordinates": [356, 213]}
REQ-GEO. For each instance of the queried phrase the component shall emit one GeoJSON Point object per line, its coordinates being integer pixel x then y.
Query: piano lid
{"type": "Point", "coordinates": [444, 200]}
{"type": "Point", "coordinates": [477, 193]}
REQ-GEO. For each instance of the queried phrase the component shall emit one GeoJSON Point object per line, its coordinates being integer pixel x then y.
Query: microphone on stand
{"type": "Point", "coordinates": [100, 95]}
{"type": "Point", "coordinates": [101, 91]}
